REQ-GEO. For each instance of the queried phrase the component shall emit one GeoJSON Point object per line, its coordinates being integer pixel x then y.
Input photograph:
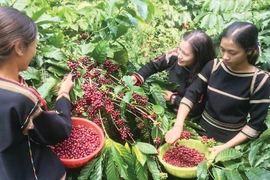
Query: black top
{"type": "Point", "coordinates": [22, 114]}
{"type": "Point", "coordinates": [231, 97]}
{"type": "Point", "coordinates": [177, 74]}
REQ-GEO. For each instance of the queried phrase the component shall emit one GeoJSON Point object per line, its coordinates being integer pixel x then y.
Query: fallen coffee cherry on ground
{"type": "Point", "coordinates": [82, 142]}
{"type": "Point", "coordinates": [182, 156]}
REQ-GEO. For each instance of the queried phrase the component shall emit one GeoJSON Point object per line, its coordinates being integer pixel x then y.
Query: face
{"type": "Point", "coordinates": [185, 54]}
{"type": "Point", "coordinates": [28, 53]}
{"type": "Point", "coordinates": [233, 55]}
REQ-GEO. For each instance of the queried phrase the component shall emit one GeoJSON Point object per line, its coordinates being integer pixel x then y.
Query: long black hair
{"type": "Point", "coordinates": [203, 49]}
{"type": "Point", "coordinates": [246, 35]}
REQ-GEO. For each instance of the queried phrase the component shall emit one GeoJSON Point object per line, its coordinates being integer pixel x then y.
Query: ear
{"type": "Point", "coordinates": [249, 52]}
{"type": "Point", "coordinates": [19, 48]}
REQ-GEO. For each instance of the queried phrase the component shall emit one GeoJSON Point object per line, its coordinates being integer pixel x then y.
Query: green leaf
{"type": "Point", "coordinates": [233, 174]}
{"type": "Point", "coordinates": [100, 51]}
{"type": "Point", "coordinates": [121, 30]}
{"type": "Point", "coordinates": [39, 13]}
{"type": "Point", "coordinates": [202, 171]}
{"type": "Point", "coordinates": [56, 70]}
{"type": "Point", "coordinates": [213, 20]}
{"type": "Point", "coordinates": [205, 21]}
{"type": "Point", "coordinates": [141, 171]}
{"type": "Point", "coordinates": [218, 174]}
{"type": "Point", "coordinates": [121, 57]}
{"type": "Point", "coordinates": [60, 64]}
{"type": "Point", "coordinates": [257, 174]}
{"type": "Point", "coordinates": [254, 150]}
{"type": "Point", "coordinates": [46, 87]}
{"type": "Point", "coordinates": [228, 154]}
{"type": "Point", "coordinates": [96, 174]}
{"type": "Point", "coordinates": [165, 85]}
{"type": "Point", "coordinates": [118, 89]}
{"type": "Point", "coordinates": [31, 73]}
{"type": "Point", "coordinates": [128, 81]}
{"type": "Point", "coordinates": [87, 169]}
{"type": "Point", "coordinates": [111, 171]}
{"type": "Point", "coordinates": [127, 97]}
{"type": "Point", "coordinates": [86, 48]}
{"type": "Point", "coordinates": [194, 125]}
{"type": "Point", "coordinates": [158, 109]}
{"type": "Point", "coordinates": [153, 168]}
{"type": "Point", "coordinates": [52, 52]}
{"type": "Point", "coordinates": [142, 8]}
{"type": "Point", "coordinates": [139, 155]}
{"type": "Point", "coordinates": [164, 123]}
{"type": "Point", "coordinates": [57, 40]}
{"type": "Point", "coordinates": [133, 20]}
{"type": "Point", "coordinates": [138, 90]}
{"type": "Point", "coordinates": [159, 99]}
{"type": "Point", "coordinates": [146, 148]}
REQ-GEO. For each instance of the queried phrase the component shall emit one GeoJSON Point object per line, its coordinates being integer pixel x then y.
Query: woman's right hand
{"type": "Point", "coordinates": [134, 79]}
{"type": "Point", "coordinates": [66, 84]}
{"type": "Point", "coordinates": [173, 134]}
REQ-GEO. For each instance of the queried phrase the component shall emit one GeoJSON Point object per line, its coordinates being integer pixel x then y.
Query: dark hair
{"type": "Point", "coordinates": [203, 49]}
{"type": "Point", "coordinates": [246, 35]}
{"type": "Point", "coordinates": [14, 26]}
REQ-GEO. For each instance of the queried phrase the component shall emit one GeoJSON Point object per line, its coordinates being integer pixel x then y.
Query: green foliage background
{"type": "Point", "coordinates": [131, 32]}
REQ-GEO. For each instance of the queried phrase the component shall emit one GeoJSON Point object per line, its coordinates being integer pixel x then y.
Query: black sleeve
{"type": "Point", "coordinates": [259, 104]}
{"type": "Point", "coordinates": [52, 127]}
{"type": "Point", "coordinates": [157, 65]}
{"type": "Point", "coordinates": [177, 101]}
{"type": "Point", "coordinates": [198, 86]}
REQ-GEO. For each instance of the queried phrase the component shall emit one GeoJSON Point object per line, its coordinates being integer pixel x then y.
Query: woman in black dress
{"type": "Point", "coordinates": [235, 89]}
{"type": "Point", "coordinates": [27, 128]}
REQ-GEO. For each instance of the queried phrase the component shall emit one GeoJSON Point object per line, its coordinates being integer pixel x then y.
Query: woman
{"type": "Point", "coordinates": [235, 89]}
{"type": "Point", "coordinates": [183, 65]}
{"type": "Point", "coordinates": [27, 129]}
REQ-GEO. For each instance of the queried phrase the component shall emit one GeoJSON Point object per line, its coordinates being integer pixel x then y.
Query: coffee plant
{"type": "Point", "coordinates": [102, 43]}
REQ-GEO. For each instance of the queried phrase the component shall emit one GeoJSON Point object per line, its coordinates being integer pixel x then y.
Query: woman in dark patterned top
{"type": "Point", "coordinates": [235, 89]}
{"type": "Point", "coordinates": [183, 65]}
{"type": "Point", "coordinates": [27, 128]}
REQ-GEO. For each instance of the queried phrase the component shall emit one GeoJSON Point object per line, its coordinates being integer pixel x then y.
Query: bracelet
{"type": "Point", "coordinates": [63, 93]}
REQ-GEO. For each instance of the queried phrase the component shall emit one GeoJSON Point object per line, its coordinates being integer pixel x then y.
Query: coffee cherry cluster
{"type": "Point", "coordinates": [185, 135]}
{"type": "Point", "coordinates": [82, 142]}
{"type": "Point", "coordinates": [208, 141]}
{"type": "Point", "coordinates": [182, 156]}
{"type": "Point", "coordinates": [141, 100]}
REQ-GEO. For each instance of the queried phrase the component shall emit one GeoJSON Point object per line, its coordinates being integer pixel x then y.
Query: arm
{"type": "Point", "coordinates": [54, 126]}
{"type": "Point", "coordinates": [159, 64]}
{"type": "Point", "coordinates": [192, 95]}
{"type": "Point", "coordinates": [259, 104]}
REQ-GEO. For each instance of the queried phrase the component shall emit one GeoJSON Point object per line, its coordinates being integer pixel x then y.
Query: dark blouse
{"type": "Point", "coordinates": [177, 74]}
{"type": "Point", "coordinates": [231, 97]}
{"type": "Point", "coordinates": [22, 116]}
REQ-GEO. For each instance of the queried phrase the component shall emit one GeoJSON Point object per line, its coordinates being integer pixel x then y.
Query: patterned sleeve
{"type": "Point", "coordinates": [259, 104]}
{"type": "Point", "coordinates": [199, 85]}
{"type": "Point", "coordinates": [51, 127]}
{"type": "Point", "coordinates": [157, 65]}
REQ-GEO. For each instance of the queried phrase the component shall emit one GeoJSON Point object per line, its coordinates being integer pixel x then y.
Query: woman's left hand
{"type": "Point", "coordinates": [216, 150]}
{"type": "Point", "coordinates": [168, 95]}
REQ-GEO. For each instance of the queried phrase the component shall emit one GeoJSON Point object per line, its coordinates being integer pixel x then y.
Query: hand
{"type": "Point", "coordinates": [66, 84]}
{"type": "Point", "coordinates": [168, 95]}
{"type": "Point", "coordinates": [134, 79]}
{"type": "Point", "coordinates": [173, 135]}
{"type": "Point", "coordinates": [171, 53]}
{"type": "Point", "coordinates": [216, 150]}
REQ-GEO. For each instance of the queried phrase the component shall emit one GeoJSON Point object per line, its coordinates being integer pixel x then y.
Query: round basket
{"type": "Point", "coordinates": [75, 163]}
{"type": "Point", "coordinates": [184, 172]}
